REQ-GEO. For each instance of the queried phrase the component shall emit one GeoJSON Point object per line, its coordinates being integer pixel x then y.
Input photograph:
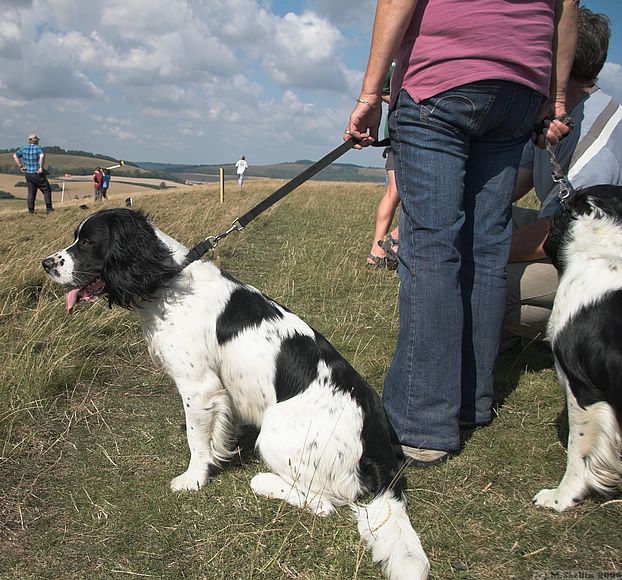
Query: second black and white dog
{"type": "Point", "coordinates": [585, 331]}
{"type": "Point", "coordinates": [237, 357]}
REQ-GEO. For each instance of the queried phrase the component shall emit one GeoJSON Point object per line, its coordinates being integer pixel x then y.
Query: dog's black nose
{"type": "Point", "coordinates": [48, 264]}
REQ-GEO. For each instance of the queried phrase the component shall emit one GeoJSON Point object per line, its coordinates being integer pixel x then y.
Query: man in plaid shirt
{"type": "Point", "coordinates": [31, 162]}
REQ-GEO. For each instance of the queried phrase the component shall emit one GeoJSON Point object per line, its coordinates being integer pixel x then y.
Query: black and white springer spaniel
{"type": "Point", "coordinates": [585, 330]}
{"type": "Point", "coordinates": [239, 358]}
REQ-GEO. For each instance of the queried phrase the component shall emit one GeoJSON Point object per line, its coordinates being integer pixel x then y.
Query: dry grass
{"type": "Point", "coordinates": [91, 433]}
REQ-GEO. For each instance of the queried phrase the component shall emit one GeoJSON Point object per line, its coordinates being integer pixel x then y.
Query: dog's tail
{"type": "Point", "coordinates": [385, 526]}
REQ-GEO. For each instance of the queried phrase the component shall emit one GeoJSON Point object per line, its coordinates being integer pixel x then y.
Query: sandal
{"type": "Point", "coordinates": [381, 263]}
{"type": "Point", "coordinates": [389, 245]}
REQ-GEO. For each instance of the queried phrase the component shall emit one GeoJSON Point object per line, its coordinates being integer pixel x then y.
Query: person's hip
{"type": "Point", "coordinates": [496, 108]}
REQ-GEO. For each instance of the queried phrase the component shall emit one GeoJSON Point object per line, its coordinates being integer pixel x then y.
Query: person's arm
{"type": "Point", "coordinates": [527, 242]}
{"type": "Point", "coordinates": [41, 163]}
{"type": "Point", "coordinates": [18, 160]}
{"type": "Point", "coordinates": [390, 24]}
{"type": "Point", "coordinates": [564, 46]}
{"type": "Point", "coordinates": [524, 183]}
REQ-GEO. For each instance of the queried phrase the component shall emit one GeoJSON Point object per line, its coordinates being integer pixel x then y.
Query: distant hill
{"type": "Point", "coordinates": [60, 161]}
{"type": "Point", "coordinates": [334, 172]}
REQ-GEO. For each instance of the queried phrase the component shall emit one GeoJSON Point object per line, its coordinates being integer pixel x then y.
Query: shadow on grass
{"type": "Point", "coordinates": [246, 442]}
{"type": "Point", "coordinates": [511, 366]}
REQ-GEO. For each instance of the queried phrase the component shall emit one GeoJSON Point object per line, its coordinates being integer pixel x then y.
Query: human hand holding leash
{"type": "Point", "coordinates": [364, 121]}
{"type": "Point", "coordinates": [552, 128]}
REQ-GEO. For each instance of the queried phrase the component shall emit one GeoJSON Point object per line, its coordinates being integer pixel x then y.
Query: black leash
{"type": "Point", "coordinates": [240, 223]}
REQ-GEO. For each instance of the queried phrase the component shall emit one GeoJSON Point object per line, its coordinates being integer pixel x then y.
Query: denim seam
{"type": "Point", "coordinates": [411, 338]}
{"type": "Point", "coordinates": [523, 127]}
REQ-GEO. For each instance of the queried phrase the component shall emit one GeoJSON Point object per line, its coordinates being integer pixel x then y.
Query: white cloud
{"type": "Point", "coordinates": [227, 74]}
{"type": "Point", "coordinates": [138, 20]}
{"type": "Point", "coordinates": [356, 14]}
{"type": "Point", "coordinates": [10, 35]}
{"type": "Point", "coordinates": [610, 80]}
{"type": "Point", "coordinates": [304, 53]}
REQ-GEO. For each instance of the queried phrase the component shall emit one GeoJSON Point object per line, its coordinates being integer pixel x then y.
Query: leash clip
{"type": "Point", "coordinates": [563, 194]}
{"type": "Point", "coordinates": [236, 226]}
{"type": "Point", "coordinates": [564, 188]}
{"type": "Point", "coordinates": [558, 176]}
{"type": "Point", "coordinates": [213, 240]}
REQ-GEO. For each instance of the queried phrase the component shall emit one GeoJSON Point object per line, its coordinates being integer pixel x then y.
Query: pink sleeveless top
{"type": "Point", "coordinates": [453, 42]}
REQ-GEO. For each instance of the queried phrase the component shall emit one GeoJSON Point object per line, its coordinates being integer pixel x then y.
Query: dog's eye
{"type": "Point", "coordinates": [86, 242]}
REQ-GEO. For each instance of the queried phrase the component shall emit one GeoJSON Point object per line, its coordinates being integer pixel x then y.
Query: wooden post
{"type": "Point", "coordinates": [221, 173]}
{"type": "Point", "coordinates": [62, 194]}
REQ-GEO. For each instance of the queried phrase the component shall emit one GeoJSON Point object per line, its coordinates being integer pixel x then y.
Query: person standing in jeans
{"type": "Point", "coordinates": [469, 85]}
{"type": "Point", "coordinates": [31, 162]}
{"type": "Point", "coordinates": [105, 183]}
{"type": "Point", "coordinates": [98, 180]}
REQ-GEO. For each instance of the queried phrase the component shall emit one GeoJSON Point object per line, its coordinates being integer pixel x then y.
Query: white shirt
{"type": "Point", "coordinates": [590, 155]}
{"type": "Point", "coordinates": [241, 166]}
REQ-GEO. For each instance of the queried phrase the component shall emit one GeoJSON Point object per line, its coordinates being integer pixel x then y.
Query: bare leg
{"type": "Point", "coordinates": [384, 215]}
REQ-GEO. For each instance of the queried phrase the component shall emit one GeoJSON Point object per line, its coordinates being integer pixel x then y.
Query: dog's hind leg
{"type": "Point", "coordinates": [209, 430]}
{"type": "Point", "coordinates": [312, 445]}
{"type": "Point", "coordinates": [273, 486]}
{"type": "Point", "coordinates": [604, 460]}
{"type": "Point", "coordinates": [594, 446]}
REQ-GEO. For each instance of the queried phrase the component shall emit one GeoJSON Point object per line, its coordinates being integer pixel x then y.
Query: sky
{"type": "Point", "coordinates": [197, 81]}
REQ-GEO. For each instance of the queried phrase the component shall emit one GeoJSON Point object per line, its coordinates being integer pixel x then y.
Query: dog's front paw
{"type": "Point", "coordinates": [555, 499]}
{"type": "Point", "coordinates": [190, 480]}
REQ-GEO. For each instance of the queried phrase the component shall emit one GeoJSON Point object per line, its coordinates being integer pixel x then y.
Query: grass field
{"type": "Point", "coordinates": [91, 433]}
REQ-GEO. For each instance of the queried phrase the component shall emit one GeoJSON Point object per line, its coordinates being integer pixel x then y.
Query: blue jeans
{"type": "Point", "coordinates": [456, 159]}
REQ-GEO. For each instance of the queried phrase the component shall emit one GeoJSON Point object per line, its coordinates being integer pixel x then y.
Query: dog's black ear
{"type": "Point", "coordinates": [603, 200]}
{"type": "Point", "coordinates": [599, 201]}
{"type": "Point", "coordinates": [555, 238]}
{"type": "Point", "coordinates": [138, 263]}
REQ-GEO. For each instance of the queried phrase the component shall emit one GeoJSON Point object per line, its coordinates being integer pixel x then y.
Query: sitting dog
{"type": "Point", "coordinates": [239, 358]}
{"type": "Point", "coordinates": [585, 331]}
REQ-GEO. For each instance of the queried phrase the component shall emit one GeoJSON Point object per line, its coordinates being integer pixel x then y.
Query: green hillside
{"type": "Point", "coordinates": [59, 162]}
{"type": "Point", "coordinates": [334, 172]}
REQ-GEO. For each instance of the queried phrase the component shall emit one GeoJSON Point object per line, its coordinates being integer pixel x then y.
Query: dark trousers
{"type": "Point", "coordinates": [36, 181]}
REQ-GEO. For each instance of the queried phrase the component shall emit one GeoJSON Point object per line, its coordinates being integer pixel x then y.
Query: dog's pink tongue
{"type": "Point", "coordinates": [71, 297]}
